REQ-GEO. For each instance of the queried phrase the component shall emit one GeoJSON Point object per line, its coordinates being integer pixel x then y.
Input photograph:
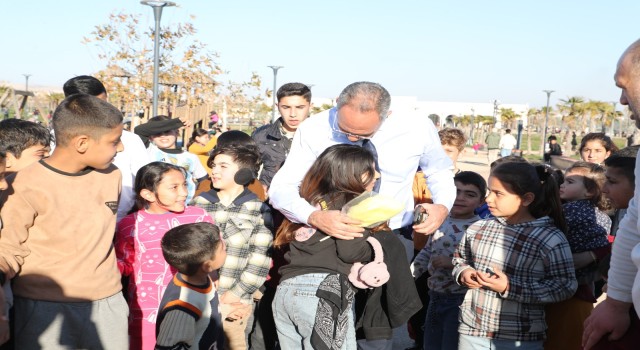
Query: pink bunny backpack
{"type": "Point", "coordinates": [373, 274]}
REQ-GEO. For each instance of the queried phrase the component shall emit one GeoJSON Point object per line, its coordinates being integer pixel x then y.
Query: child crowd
{"type": "Point", "coordinates": [189, 260]}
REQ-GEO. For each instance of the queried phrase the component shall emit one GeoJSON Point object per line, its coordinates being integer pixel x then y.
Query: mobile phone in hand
{"type": "Point", "coordinates": [419, 215]}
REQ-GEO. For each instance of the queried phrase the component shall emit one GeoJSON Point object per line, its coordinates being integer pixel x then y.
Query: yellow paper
{"type": "Point", "coordinates": [375, 210]}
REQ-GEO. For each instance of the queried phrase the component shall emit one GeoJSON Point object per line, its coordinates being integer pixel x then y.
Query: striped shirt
{"type": "Point", "coordinates": [536, 258]}
{"type": "Point", "coordinates": [248, 241]}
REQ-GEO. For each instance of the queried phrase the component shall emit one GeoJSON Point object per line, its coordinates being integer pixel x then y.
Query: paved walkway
{"type": "Point", "coordinates": [469, 161]}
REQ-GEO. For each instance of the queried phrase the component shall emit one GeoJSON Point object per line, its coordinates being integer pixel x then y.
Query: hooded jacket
{"type": "Point", "coordinates": [381, 309]}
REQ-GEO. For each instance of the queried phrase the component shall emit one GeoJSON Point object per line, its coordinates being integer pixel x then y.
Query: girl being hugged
{"type": "Point", "coordinates": [161, 193]}
{"type": "Point", "coordinates": [587, 229]}
{"type": "Point", "coordinates": [515, 263]}
{"type": "Point", "coordinates": [318, 263]}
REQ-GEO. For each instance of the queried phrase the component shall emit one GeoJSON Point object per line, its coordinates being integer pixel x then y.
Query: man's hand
{"type": "Point", "coordinates": [469, 279]}
{"type": "Point", "coordinates": [609, 317]}
{"type": "Point", "coordinates": [437, 214]}
{"type": "Point", "coordinates": [335, 224]}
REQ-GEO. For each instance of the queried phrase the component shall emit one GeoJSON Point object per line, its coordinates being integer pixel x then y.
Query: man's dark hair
{"type": "Point", "coordinates": [294, 89]}
{"type": "Point", "coordinates": [16, 135]}
{"type": "Point", "coordinates": [472, 178]}
{"type": "Point", "coordinates": [508, 131]}
{"type": "Point", "coordinates": [83, 84]}
{"type": "Point", "coordinates": [625, 160]}
{"type": "Point", "coordinates": [187, 247]}
{"type": "Point", "coordinates": [84, 114]}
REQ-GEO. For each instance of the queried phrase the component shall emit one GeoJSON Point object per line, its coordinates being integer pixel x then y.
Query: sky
{"type": "Point", "coordinates": [457, 51]}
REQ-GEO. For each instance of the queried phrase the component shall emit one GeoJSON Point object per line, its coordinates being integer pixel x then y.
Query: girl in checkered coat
{"type": "Point", "coordinates": [515, 263]}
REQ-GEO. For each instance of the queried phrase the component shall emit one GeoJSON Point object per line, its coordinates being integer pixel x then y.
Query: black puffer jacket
{"type": "Point", "coordinates": [381, 309]}
{"type": "Point", "coordinates": [274, 148]}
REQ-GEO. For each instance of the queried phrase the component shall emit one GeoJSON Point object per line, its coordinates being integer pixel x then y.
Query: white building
{"type": "Point", "coordinates": [445, 109]}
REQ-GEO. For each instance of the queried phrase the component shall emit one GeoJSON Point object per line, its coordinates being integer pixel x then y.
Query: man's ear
{"type": "Point", "coordinates": [81, 143]}
{"type": "Point", "coordinates": [527, 199]}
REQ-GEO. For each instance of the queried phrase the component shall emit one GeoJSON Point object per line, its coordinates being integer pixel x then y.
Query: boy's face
{"type": "Point", "coordinates": [294, 110]}
{"type": "Point", "coordinates": [165, 140]}
{"type": "Point", "coordinates": [3, 181]}
{"type": "Point", "coordinates": [219, 257]}
{"type": "Point", "coordinates": [29, 156]}
{"type": "Point", "coordinates": [618, 188]}
{"type": "Point", "coordinates": [452, 152]}
{"type": "Point", "coordinates": [468, 198]}
{"type": "Point", "coordinates": [223, 169]}
{"type": "Point", "coordinates": [100, 152]}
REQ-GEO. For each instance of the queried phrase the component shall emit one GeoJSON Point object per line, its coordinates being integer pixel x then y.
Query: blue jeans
{"type": "Point", "coordinates": [468, 342]}
{"type": "Point", "coordinates": [505, 152]}
{"type": "Point", "coordinates": [441, 323]}
{"type": "Point", "coordinates": [294, 310]}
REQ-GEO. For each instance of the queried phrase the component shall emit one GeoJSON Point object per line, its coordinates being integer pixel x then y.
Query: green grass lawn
{"type": "Point", "coordinates": [621, 142]}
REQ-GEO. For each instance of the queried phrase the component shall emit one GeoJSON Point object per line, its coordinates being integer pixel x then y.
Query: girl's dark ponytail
{"type": "Point", "coordinates": [549, 203]}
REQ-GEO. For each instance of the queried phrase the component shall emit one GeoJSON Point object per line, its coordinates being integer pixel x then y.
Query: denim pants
{"type": "Point", "coordinates": [441, 323]}
{"type": "Point", "coordinates": [468, 342]}
{"type": "Point", "coordinates": [294, 310]}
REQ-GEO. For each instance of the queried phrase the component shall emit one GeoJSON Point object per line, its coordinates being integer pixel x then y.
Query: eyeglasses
{"type": "Point", "coordinates": [336, 130]}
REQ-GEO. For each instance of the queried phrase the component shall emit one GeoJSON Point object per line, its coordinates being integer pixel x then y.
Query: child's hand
{"type": "Point", "coordinates": [494, 279]}
{"type": "Point", "coordinates": [469, 278]}
{"type": "Point", "coordinates": [441, 262]}
{"type": "Point", "coordinates": [239, 311]}
{"type": "Point", "coordinates": [229, 298]}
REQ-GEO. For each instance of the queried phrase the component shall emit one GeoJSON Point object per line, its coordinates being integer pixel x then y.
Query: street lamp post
{"type": "Point", "coordinates": [275, 74]}
{"type": "Point", "coordinates": [495, 112]}
{"type": "Point", "coordinates": [546, 120]}
{"type": "Point", "coordinates": [26, 84]}
{"type": "Point", "coordinates": [473, 117]}
{"type": "Point", "coordinates": [157, 15]}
